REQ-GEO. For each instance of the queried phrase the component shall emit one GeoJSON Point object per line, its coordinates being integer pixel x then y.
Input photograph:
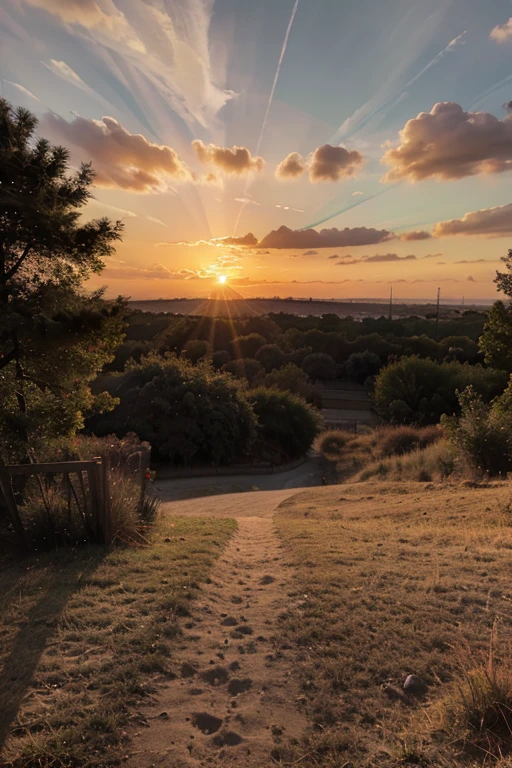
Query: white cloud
{"type": "Point", "coordinates": [502, 32]}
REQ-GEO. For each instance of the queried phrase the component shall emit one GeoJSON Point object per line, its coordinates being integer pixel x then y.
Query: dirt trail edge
{"type": "Point", "coordinates": [236, 698]}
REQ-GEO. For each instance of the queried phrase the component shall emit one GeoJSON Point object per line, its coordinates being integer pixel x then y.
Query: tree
{"type": "Point", "coordinates": [292, 379]}
{"type": "Point", "coordinates": [496, 339]}
{"type": "Point", "coordinates": [46, 320]}
{"type": "Point", "coordinates": [285, 421]}
{"type": "Point", "coordinates": [195, 350]}
{"type": "Point", "coordinates": [185, 411]}
{"type": "Point", "coordinates": [271, 356]}
{"type": "Point", "coordinates": [247, 346]}
{"type": "Point", "coordinates": [245, 368]}
{"type": "Point", "coordinates": [413, 390]}
{"type": "Point", "coordinates": [319, 366]}
{"type": "Point", "coordinates": [504, 279]}
{"type": "Point", "coordinates": [362, 365]}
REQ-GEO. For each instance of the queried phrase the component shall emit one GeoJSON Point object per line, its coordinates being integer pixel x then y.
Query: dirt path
{"type": "Point", "coordinates": [235, 698]}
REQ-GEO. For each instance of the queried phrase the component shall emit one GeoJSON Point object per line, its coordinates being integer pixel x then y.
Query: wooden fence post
{"type": "Point", "coordinates": [12, 507]}
{"type": "Point", "coordinates": [93, 474]}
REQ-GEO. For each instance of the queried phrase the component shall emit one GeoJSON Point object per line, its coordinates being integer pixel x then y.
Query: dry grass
{"type": "Point", "coordinates": [397, 579]}
{"type": "Point", "coordinates": [387, 453]}
{"type": "Point", "coordinates": [86, 634]}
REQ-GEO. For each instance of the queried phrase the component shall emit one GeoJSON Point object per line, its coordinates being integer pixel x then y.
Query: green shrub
{"type": "Point", "coordinates": [195, 350]}
{"type": "Point", "coordinates": [362, 365]}
{"type": "Point", "coordinates": [285, 421]}
{"type": "Point", "coordinates": [413, 390]}
{"type": "Point", "coordinates": [186, 412]}
{"type": "Point", "coordinates": [482, 435]}
{"type": "Point", "coordinates": [247, 346]}
{"type": "Point", "coordinates": [245, 368]}
{"type": "Point", "coordinates": [270, 356]}
{"type": "Point", "coordinates": [319, 366]}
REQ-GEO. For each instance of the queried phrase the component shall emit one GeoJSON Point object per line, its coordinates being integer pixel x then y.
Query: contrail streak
{"type": "Point", "coordinates": [269, 104]}
{"type": "Point", "coordinates": [276, 78]}
{"type": "Point", "coordinates": [485, 95]}
{"type": "Point", "coordinates": [344, 134]}
{"type": "Point", "coordinates": [347, 208]}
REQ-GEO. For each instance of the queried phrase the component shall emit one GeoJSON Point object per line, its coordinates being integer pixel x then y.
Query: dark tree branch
{"type": "Point", "coordinates": [12, 271]}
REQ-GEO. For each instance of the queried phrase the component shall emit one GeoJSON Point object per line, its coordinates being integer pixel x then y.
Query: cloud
{"type": "Point", "coordinates": [384, 257]}
{"type": "Point", "coordinates": [246, 201]}
{"type": "Point", "coordinates": [448, 143]}
{"type": "Point", "coordinates": [502, 32]}
{"type": "Point", "coordinates": [246, 241]}
{"type": "Point", "coordinates": [292, 167]}
{"type": "Point", "coordinates": [328, 163]}
{"type": "Point", "coordinates": [508, 107]}
{"type": "Point", "coordinates": [326, 238]}
{"type": "Point", "coordinates": [89, 15]}
{"type": "Point", "coordinates": [416, 235]}
{"type": "Point", "coordinates": [155, 272]}
{"type": "Point", "coordinates": [357, 193]}
{"type": "Point", "coordinates": [235, 161]}
{"type": "Point", "coordinates": [61, 69]}
{"type": "Point", "coordinates": [158, 221]}
{"type": "Point", "coordinates": [121, 159]}
{"type": "Point", "coordinates": [378, 258]}
{"type": "Point", "coordinates": [492, 222]}
{"type": "Point", "coordinates": [163, 56]}
{"type": "Point", "coordinates": [310, 253]}
{"type": "Point", "coordinates": [289, 208]}
{"type": "Point", "coordinates": [22, 89]}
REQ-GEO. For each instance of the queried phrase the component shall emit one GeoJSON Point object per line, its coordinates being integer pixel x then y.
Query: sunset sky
{"type": "Point", "coordinates": [323, 148]}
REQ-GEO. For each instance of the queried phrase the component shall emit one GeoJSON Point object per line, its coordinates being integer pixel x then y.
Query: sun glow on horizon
{"type": "Point", "coordinates": [222, 279]}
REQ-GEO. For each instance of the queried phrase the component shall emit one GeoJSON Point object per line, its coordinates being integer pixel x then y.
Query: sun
{"type": "Point", "coordinates": [222, 279]}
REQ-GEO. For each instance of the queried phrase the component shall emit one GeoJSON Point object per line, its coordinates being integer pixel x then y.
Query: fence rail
{"type": "Point", "coordinates": [92, 499]}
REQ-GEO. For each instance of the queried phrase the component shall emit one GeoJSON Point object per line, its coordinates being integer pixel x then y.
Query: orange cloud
{"type": "Point", "coordinates": [235, 161]}
{"type": "Point", "coordinates": [502, 32]}
{"type": "Point", "coordinates": [448, 143]}
{"type": "Point", "coordinates": [292, 167]}
{"type": "Point", "coordinates": [121, 159]}
{"type": "Point", "coordinates": [416, 235]}
{"type": "Point", "coordinates": [328, 163]}
{"type": "Point", "coordinates": [492, 222]}
{"type": "Point", "coordinates": [326, 238]}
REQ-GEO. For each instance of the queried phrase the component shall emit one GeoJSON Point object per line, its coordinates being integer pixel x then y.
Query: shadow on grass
{"type": "Point", "coordinates": [54, 579]}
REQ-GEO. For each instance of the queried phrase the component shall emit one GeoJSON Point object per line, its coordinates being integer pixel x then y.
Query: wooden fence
{"type": "Point", "coordinates": [91, 495]}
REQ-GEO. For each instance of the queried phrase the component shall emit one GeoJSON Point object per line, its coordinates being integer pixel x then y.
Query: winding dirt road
{"type": "Point", "coordinates": [236, 698]}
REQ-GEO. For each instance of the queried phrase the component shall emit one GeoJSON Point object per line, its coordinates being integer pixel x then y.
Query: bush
{"type": "Point", "coordinates": [195, 350]}
{"type": "Point", "coordinates": [292, 379]}
{"type": "Point", "coordinates": [247, 346]}
{"type": "Point", "coordinates": [220, 358]}
{"type": "Point", "coordinates": [186, 412]}
{"type": "Point", "coordinates": [482, 435]}
{"type": "Point", "coordinates": [413, 390]}
{"type": "Point", "coordinates": [246, 369]}
{"type": "Point", "coordinates": [285, 421]}
{"type": "Point", "coordinates": [271, 356]}
{"type": "Point", "coordinates": [319, 366]}
{"type": "Point", "coordinates": [332, 442]}
{"type": "Point", "coordinates": [362, 365]}
{"type": "Point", "coordinates": [400, 440]}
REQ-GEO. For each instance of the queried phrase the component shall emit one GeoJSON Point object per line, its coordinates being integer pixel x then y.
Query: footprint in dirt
{"type": "Point", "coordinates": [215, 676]}
{"type": "Point", "coordinates": [239, 685]}
{"type": "Point", "coordinates": [227, 739]}
{"type": "Point", "coordinates": [206, 723]}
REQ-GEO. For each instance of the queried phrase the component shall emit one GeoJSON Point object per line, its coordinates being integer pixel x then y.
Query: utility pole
{"type": "Point", "coordinates": [391, 303]}
{"type": "Point", "coordinates": [437, 313]}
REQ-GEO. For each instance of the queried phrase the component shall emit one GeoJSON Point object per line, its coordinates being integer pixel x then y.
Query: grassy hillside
{"type": "Point", "coordinates": [395, 580]}
{"type": "Point", "coordinates": [84, 636]}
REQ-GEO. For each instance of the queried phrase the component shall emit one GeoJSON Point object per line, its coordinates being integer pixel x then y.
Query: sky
{"type": "Point", "coordinates": [287, 147]}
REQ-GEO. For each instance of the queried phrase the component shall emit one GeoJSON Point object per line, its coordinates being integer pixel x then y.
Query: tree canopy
{"type": "Point", "coordinates": [46, 319]}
